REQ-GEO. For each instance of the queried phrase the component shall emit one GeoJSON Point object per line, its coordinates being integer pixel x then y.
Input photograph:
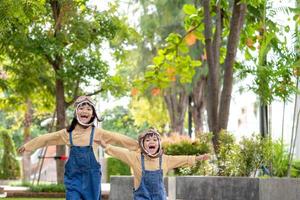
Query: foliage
{"type": "Point", "coordinates": [10, 167]}
{"type": "Point", "coordinates": [250, 155]}
{"type": "Point", "coordinates": [116, 167]}
{"type": "Point", "coordinates": [120, 120]}
{"type": "Point", "coordinates": [228, 153]}
{"type": "Point", "coordinates": [267, 55]}
{"type": "Point", "coordinates": [35, 131]}
{"type": "Point", "coordinates": [17, 198]}
{"type": "Point", "coordinates": [65, 48]}
{"type": "Point", "coordinates": [183, 145]}
{"type": "Point", "coordinates": [45, 187]}
{"type": "Point", "coordinates": [295, 170]}
{"type": "Point", "coordinates": [279, 160]}
{"type": "Point", "coordinates": [149, 112]}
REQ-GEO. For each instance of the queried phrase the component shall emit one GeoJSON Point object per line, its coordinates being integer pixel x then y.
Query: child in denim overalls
{"type": "Point", "coordinates": [82, 177]}
{"type": "Point", "coordinates": [149, 165]}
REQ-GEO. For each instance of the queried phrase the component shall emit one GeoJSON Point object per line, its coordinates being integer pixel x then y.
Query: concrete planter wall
{"type": "Point", "coordinates": [215, 188]}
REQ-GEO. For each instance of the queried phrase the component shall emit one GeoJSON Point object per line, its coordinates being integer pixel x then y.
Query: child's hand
{"type": "Point", "coordinates": [203, 157]}
{"type": "Point", "coordinates": [101, 142]}
{"type": "Point", "coordinates": [21, 150]}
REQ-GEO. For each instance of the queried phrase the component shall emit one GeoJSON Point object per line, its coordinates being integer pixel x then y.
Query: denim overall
{"type": "Point", "coordinates": [152, 184]}
{"type": "Point", "coordinates": [82, 173]}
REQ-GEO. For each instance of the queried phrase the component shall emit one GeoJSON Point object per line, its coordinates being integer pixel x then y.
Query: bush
{"type": "Point", "coordinates": [10, 167]}
{"type": "Point", "coordinates": [183, 145]}
{"type": "Point", "coordinates": [227, 162]}
{"type": "Point", "coordinates": [279, 160]}
{"type": "Point", "coordinates": [250, 156]}
{"type": "Point", "coordinates": [295, 170]}
{"type": "Point", "coordinates": [116, 167]}
{"type": "Point", "coordinates": [44, 187]}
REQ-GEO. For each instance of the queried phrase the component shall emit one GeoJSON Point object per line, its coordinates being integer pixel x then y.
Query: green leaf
{"type": "Point", "coordinates": [189, 9]}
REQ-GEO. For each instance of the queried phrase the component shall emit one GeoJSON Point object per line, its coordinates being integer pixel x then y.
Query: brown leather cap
{"type": "Point", "coordinates": [142, 137]}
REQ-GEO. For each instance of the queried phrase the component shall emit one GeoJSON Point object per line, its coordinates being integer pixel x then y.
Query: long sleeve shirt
{"type": "Point", "coordinates": [133, 159]}
{"type": "Point", "coordinates": [81, 137]}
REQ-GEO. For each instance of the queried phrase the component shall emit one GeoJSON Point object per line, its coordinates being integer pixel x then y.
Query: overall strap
{"type": "Point", "coordinates": [92, 136]}
{"type": "Point", "coordinates": [160, 161]}
{"type": "Point", "coordinates": [70, 138]}
{"type": "Point", "coordinates": [143, 163]}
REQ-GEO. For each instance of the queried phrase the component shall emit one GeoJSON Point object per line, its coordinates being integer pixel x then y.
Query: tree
{"type": "Point", "coordinates": [10, 168]}
{"type": "Point", "coordinates": [221, 44]}
{"type": "Point", "coordinates": [120, 120]}
{"type": "Point", "coordinates": [65, 36]}
{"type": "Point", "coordinates": [24, 95]}
{"type": "Point", "coordinates": [157, 20]}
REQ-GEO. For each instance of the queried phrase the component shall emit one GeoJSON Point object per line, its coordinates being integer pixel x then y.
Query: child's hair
{"type": "Point", "coordinates": [150, 133]}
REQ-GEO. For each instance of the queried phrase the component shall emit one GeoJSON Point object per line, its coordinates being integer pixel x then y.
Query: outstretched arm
{"type": "Point", "coordinates": [180, 161]}
{"type": "Point", "coordinates": [116, 139]}
{"type": "Point", "coordinates": [121, 153]}
{"type": "Point", "coordinates": [54, 138]}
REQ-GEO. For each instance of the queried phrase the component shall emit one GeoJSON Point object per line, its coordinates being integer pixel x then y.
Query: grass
{"type": "Point", "coordinates": [35, 198]}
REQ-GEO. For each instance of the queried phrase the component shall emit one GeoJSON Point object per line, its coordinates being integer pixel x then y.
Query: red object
{"type": "Point", "coordinates": [63, 157]}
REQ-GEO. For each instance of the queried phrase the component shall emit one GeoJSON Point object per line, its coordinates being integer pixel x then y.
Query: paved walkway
{"type": "Point", "coordinates": [7, 189]}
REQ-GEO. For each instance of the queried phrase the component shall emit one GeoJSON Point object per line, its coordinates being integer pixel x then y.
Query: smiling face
{"type": "Point", "coordinates": [84, 113]}
{"type": "Point", "coordinates": [151, 144]}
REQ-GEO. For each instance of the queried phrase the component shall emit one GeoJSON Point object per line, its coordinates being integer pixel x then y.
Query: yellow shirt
{"type": "Point", "coordinates": [133, 159]}
{"type": "Point", "coordinates": [81, 137]}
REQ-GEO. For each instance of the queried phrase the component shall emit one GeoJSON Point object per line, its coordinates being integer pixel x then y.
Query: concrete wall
{"type": "Point", "coordinates": [215, 188]}
{"type": "Point", "coordinates": [121, 187]}
{"type": "Point", "coordinates": [279, 188]}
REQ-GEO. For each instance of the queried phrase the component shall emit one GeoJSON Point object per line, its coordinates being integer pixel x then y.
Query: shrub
{"type": "Point", "coordinates": [279, 160]}
{"type": "Point", "coordinates": [116, 167]}
{"type": "Point", "coordinates": [47, 188]}
{"type": "Point", "coordinates": [183, 145]}
{"type": "Point", "coordinates": [227, 162]}
{"type": "Point", "coordinates": [250, 155]}
{"type": "Point", "coordinates": [10, 167]}
{"type": "Point", "coordinates": [44, 187]}
{"type": "Point", "coordinates": [295, 170]}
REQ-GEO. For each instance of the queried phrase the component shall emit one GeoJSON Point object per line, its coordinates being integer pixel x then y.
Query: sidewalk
{"type": "Point", "coordinates": [19, 191]}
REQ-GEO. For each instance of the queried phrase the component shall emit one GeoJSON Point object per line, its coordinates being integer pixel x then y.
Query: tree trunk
{"type": "Point", "coordinates": [218, 106]}
{"type": "Point", "coordinates": [57, 63]}
{"type": "Point", "coordinates": [60, 124]}
{"type": "Point", "coordinates": [213, 74]}
{"type": "Point", "coordinates": [26, 163]}
{"type": "Point", "coordinates": [177, 104]}
{"type": "Point", "coordinates": [198, 99]}
{"type": "Point", "coordinates": [236, 23]}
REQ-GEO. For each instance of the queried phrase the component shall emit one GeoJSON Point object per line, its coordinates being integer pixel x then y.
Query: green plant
{"type": "Point", "coordinates": [279, 159]}
{"type": "Point", "coordinates": [227, 158]}
{"type": "Point", "coordinates": [47, 188]}
{"type": "Point", "coordinates": [295, 170]}
{"type": "Point", "coordinates": [182, 145]}
{"type": "Point", "coordinates": [10, 168]}
{"type": "Point", "coordinates": [116, 167]}
{"type": "Point", "coordinates": [252, 154]}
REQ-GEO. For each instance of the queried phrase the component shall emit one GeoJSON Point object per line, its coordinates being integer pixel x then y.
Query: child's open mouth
{"type": "Point", "coordinates": [151, 147]}
{"type": "Point", "coordinates": [84, 118]}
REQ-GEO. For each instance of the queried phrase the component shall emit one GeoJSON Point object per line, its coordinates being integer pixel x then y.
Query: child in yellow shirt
{"type": "Point", "coordinates": [150, 164]}
{"type": "Point", "coordinates": [82, 176]}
